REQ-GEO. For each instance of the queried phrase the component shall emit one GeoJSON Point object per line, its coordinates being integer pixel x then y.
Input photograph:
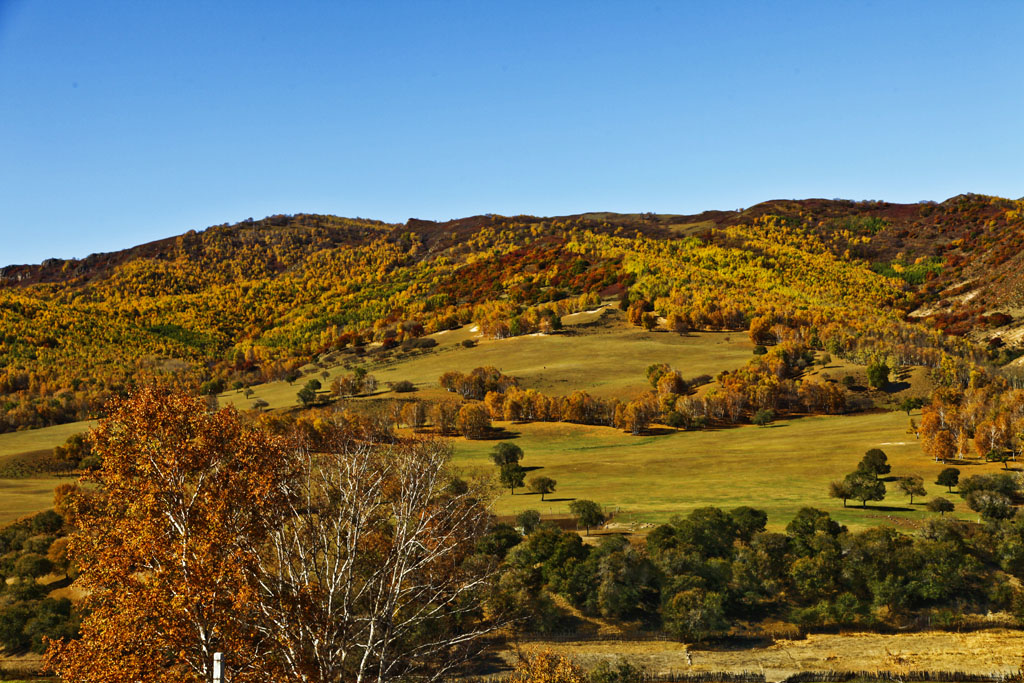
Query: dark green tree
{"type": "Point", "coordinates": [878, 375]}
{"type": "Point", "coordinates": [32, 566]}
{"type": "Point", "coordinates": [864, 487]}
{"type": "Point", "coordinates": [874, 462]}
{"type": "Point", "coordinates": [912, 486]}
{"type": "Point", "coordinates": [512, 476]}
{"type": "Point", "coordinates": [528, 520]}
{"type": "Point", "coordinates": [542, 485]}
{"type": "Point", "coordinates": [840, 489]}
{"type": "Point", "coordinates": [306, 396]}
{"type": "Point", "coordinates": [505, 453]}
{"type": "Point", "coordinates": [940, 505]}
{"type": "Point", "coordinates": [748, 522]}
{"type": "Point", "coordinates": [588, 513]}
{"type": "Point", "coordinates": [991, 505]}
{"type": "Point", "coordinates": [695, 614]}
{"type": "Point", "coordinates": [949, 478]}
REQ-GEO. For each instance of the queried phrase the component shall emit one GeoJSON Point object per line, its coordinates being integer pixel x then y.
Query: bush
{"type": "Point", "coordinates": [878, 375]}
{"type": "Point", "coordinates": [402, 386]}
{"type": "Point", "coordinates": [419, 343]}
{"type": "Point", "coordinates": [998, 482]}
{"type": "Point", "coordinates": [623, 671]}
{"type": "Point", "coordinates": [528, 520]}
{"type": "Point", "coordinates": [212, 387]}
{"type": "Point", "coordinates": [47, 522]}
{"type": "Point", "coordinates": [676, 420]}
{"type": "Point", "coordinates": [92, 463]}
{"type": "Point", "coordinates": [32, 565]}
{"type": "Point", "coordinates": [12, 627]}
{"type": "Point", "coordinates": [39, 544]}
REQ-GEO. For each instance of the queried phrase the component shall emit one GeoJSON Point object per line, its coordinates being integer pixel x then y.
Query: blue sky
{"type": "Point", "coordinates": [123, 122]}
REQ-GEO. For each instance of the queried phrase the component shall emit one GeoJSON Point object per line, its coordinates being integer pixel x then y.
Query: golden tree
{"type": "Point", "coordinates": [164, 542]}
{"type": "Point", "coordinates": [548, 667]}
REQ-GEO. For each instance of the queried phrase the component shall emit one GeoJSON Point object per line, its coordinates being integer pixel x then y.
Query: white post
{"type": "Point", "coordinates": [217, 667]}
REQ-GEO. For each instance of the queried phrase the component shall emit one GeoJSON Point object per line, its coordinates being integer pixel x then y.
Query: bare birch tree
{"type": "Point", "coordinates": [371, 576]}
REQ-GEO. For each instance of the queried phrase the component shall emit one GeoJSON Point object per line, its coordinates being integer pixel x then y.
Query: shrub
{"type": "Point", "coordinates": [403, 386]}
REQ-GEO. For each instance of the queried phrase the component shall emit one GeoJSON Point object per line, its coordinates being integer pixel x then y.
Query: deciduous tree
{"type": "Point", "coordinates": [542, 485]}
{"type": "Point", "coordinates": [912, 486]}
{"type": "Point", "coordinates": [588, 513]}
{"type": "Point", "coordinates": [512, 476]}
{"type": "Point", "coordinates": [166, 542]}
{"type": "Point", "coordinates": [949, 478]}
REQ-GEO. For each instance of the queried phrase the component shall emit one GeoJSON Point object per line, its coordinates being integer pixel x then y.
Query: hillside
{"type": "Point", "coordinates": [706, 385]}
{"type": "Point", "coordinates": [251, 302]}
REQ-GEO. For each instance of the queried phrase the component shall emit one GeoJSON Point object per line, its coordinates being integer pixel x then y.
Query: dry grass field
{"type": "Point", "coordinates": [980, 652]}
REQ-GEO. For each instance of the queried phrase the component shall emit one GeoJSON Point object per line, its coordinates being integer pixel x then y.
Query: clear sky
{"type": "Point", "coordinates": [122, 122]}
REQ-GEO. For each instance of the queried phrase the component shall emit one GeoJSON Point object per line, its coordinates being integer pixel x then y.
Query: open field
{"type": "Point", "coordinates": [598, 353]}
{"type": "Point", "coordinates": [648, 479]}
{"type": "Point", "coordinates": [20, 497]}
{"type": "Point", "coordinates": [779, 468]}
{"type": "Point", "coordinates": [980, 652]}
{"type": "Point", "coordinates": [28, 440]}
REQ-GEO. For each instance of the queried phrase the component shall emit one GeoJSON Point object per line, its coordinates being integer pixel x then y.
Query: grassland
{"type": "Point", "coordinates": [646, 479]}
{"type": "Point", "coordinates": [597, 353]}
{"type": "Point", "coordinates": [29, 440]}
{"type": "Point", "coordinates": [981, 652]}
{"type": "Point", "coordinates": [779, 468]}
{"type": "Point", "coordinates": [20, 497]}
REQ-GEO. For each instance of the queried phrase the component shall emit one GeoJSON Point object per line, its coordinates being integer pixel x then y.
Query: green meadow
{"type": "Point", "coordinates": [597, 353]}
{"type": "Point", "coordinates": [645, 479]}
{"type": "Point", "coordinates": [779, 468]}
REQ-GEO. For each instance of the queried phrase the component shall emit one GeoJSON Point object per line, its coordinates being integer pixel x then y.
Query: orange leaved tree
{"type": "Point", "coordinates": [166, 540]}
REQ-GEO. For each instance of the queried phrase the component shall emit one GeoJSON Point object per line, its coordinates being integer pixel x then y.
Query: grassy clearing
{"type": "Point", "coordinates": [980, 652]}
{"type": "Point", "coordinates": [26, 441]}
{"type": "Point", "coordinates": [780, 468]}
{"type": "Point", "coordinates": [20, 497]}
{"type": "Point", "coordinates": [598, 353]}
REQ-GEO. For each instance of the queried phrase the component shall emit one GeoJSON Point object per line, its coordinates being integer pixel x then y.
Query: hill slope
{"type": "Point", "coordinates": [252, 301]}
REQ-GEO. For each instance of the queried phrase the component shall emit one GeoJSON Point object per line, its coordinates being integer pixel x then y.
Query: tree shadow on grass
{"type": "Point", "coordinates": [62, 582]}
{"type": "Point", "coordinates": [881, 508]}
{"type": "Point", "coordinates": [657, 431]}
{"type": "Point", "coordinates": [558, 500]}
{"type": "Point", "coordinates": [488, 662]}
{"type": "Point", "coordinates": [498, 434]}
{"type": "Point", "coordinates": [531, 469]}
